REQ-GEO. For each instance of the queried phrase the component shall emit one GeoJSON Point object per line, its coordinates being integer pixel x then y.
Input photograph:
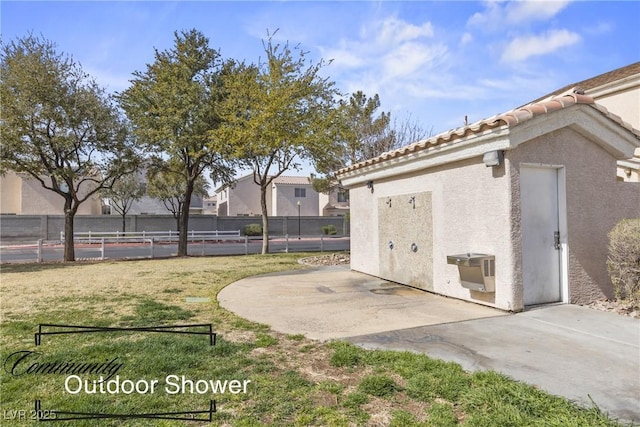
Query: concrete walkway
{"type": "Point", "coordinates": [332, 303]}
{"type": "Point", "coordinates": [566, 350]}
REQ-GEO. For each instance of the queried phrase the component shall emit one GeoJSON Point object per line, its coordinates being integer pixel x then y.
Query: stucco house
{"type": "Point", "coordinates": [21, 194]}
{"type": "Point", "coordinates": [336, 203]}
{"type": "Point", "coordinates": [511, 211]}
{"type": "Point", "coordinates": [242, 198]}
{"type": "Point", "coordinates": [619, 92]}
{"type": "Point", "coordinates": [210, 205]}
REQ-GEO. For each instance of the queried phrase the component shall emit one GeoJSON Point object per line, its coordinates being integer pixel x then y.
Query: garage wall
{"type": "Point", "coordinates": [470, 213]}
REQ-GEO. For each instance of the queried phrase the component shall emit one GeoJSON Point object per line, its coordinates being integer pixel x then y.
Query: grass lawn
{"type": "Point", "coordinates": [289, 380]}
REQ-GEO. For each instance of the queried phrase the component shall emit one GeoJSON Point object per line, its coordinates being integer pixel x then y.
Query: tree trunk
{"type": "Point", "coordinates": [124, 222]}
{"type": "Point", "coordinates": [183, 220]}
{"type": "Point", "coordinates": [265, 219]}
{"type": "Point", "coordinates": [69, 214]}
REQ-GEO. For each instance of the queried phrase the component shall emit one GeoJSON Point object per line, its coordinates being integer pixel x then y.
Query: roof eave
{"type": "Point", "coordinates": [457, 150]}
{"type": "Point", "coordinates": [591, 120]}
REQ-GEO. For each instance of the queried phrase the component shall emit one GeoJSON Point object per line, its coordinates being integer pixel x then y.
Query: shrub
{"type": "Point", "coordinates": [253, 230]}
{"type": "Point", "coordinates": [623, 262]}
{"type": "Point", "coordinates": [329, 229]}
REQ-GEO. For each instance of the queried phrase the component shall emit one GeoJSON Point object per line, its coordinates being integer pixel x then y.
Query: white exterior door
{"type": "Point", "coordinates": [540, 235]}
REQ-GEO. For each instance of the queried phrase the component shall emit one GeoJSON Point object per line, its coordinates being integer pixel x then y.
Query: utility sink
{"type": "Point", "coordinates": [469, 259]}
{"type": "Point", "coordinates": [477, 271]}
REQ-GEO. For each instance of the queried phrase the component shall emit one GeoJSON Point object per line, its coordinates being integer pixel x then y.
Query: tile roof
{"type": "Point", "coordinates": [597, 81]}
{"type": "Point", "coordinates": [505, 120]}
{"type": "Point", "coordinates": [292, 180]}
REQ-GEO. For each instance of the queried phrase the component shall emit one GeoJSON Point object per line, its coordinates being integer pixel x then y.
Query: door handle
{"type": "Point", "coordinates": [556, 240]}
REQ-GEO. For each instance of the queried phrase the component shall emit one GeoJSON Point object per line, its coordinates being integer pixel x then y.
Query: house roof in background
{"type": "Point", "coordinates": [597, 81]}
{"type": "Point", "coordinates": [507, 120]}
{"type": "Point", "coordinates": [292, 180]}
{"type": "Point", "coordinates": [282, 179]}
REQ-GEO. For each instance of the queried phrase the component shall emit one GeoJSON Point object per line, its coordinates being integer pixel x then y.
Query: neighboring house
{"type": "Point", "coordinates": [20, 194]}
{"type": "Point", "coordinates": [619, 92]}
{"type": "Point", "coordinates": [533, 189]}
{"type": "Point", "coordinates": [293, 195]}
{"type": "Point", "coordinates": [153, 206]}
{"type": "Point", "coordinates": [335, 203]}
{"type": "Point", "coordinates": [284, 197]}
{"type": "Point", "coordinates": [210, 205]}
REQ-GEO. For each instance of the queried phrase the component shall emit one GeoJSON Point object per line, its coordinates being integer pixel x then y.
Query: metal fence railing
{"type": "Point", "coordinates": [158, 235]}
{"type": "Point", "coordinates": [96, 247]}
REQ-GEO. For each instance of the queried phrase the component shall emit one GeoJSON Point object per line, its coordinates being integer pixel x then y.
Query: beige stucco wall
{"type": "Point", "coordinates": [10, 193]}
{"type": "Point", "coordinates": [329, 205]}
{"type": "Point", "coordinates": [244, 198]}
{"type": "Point", "coordinates": [470, 205]}
{"type": "Point", "coordinates": [595, 200]}
{"type": "Point", "coordinates": [26, 196]}
{"type": "Point", "coordinates": [37, 200]}
{"type": "Point", "coordinates": [622, 99]}
{"type": "Point", "coordinates": [287, 204]}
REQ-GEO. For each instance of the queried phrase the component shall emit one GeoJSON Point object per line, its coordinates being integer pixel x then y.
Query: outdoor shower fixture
{"type": "Point", "coordinates": [493, 158]}
{"type": "Point", "coordinates": [477, 271]}
{"type": "Point", "coordinates": [412, 201]}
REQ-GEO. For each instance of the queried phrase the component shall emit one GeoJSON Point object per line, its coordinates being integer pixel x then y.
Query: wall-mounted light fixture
{"type": "Point", "coordinates": [370, 185]}
{"type": "Point", "coordinates": [412, 201]}
{"type": "Point", "coordinates": [493, 158]}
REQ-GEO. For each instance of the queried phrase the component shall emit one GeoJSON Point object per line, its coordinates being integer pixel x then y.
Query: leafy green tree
{"type": "Point", "coordinates": [362, 133]}
{"type": "Point", "coordinates": [173, 107]}
{"type": "Point", "coordinates": [126, 190]}
{"type": "Point", "coordinates": [59, 126]}
{"type": "Point", "coordinates": [169, 187]}
{"type": "Point", "coordinates": [275, 114]}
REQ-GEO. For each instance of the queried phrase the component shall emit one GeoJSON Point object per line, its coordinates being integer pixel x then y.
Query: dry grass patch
{"type": "Point", "coordinates": [114, 288]}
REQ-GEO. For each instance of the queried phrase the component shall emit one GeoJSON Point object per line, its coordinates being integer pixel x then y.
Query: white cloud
{"type": "Point", "coordinates": [108, 79]}
{"type": "Point", "coordinates": [410, 58]}
{"type": "Point", "coordinates": [522, 48]}
{"type": "Point", "coordinates": [600, 28]}
{"type": "Point", "coordinates": [344, 57]}
{"type": "Point", "coordinates": [384, 43]}
{"type": "Point", "coordinates": [391, 57]}
{"type": "Point", "coordinates": [466, 39]}
{"type": "Point", "coordinates": [533, 10]}
{"type": "Point", "coordinates": [492, 16]}
{"type": "Point", "coordinates": [498, 14]}
{"type": "Point", "coordinates": [393, 31]}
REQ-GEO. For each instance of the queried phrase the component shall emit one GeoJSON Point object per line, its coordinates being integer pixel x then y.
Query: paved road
{"type": "Point", "coordinates": [28, 253]}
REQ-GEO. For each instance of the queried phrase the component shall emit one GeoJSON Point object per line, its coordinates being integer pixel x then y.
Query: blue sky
{"type": "Point", "coordinates": [434, 61]}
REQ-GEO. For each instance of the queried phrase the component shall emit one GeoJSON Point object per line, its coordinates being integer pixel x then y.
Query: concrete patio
{"type": "Point", "coordinates": [580, 353]}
